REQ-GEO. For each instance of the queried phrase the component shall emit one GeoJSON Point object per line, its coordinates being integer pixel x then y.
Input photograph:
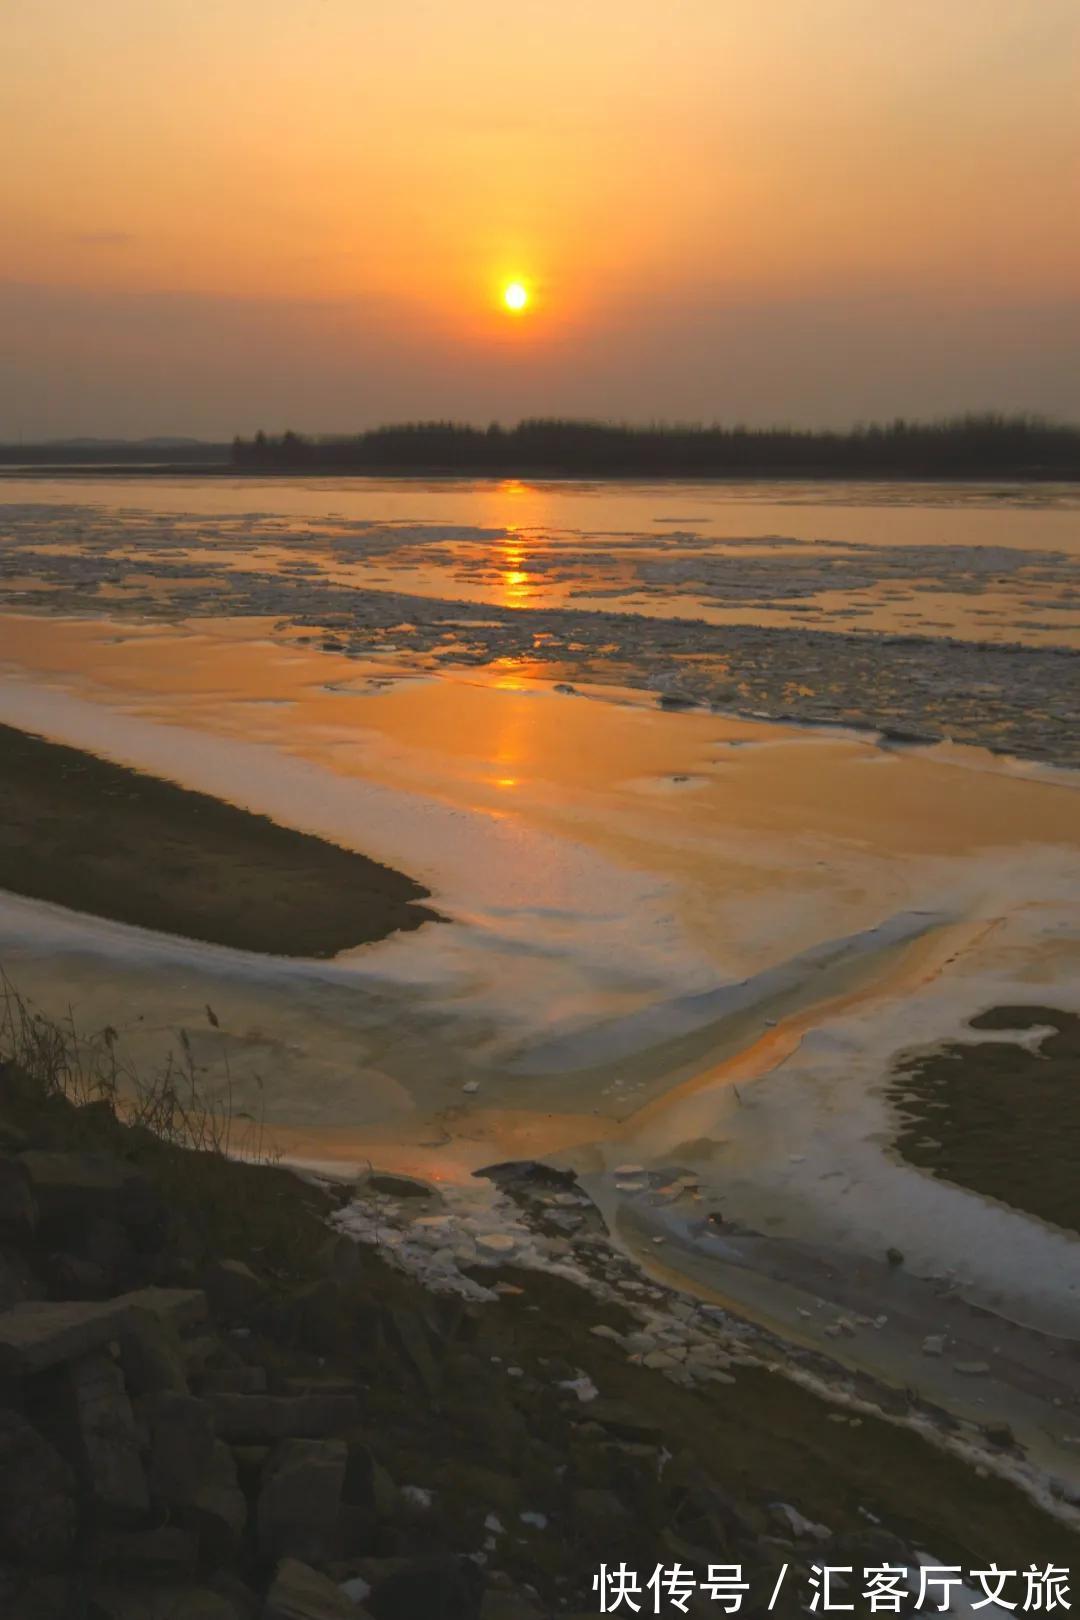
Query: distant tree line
{"type": "Point", "coordinates": [975, 446]}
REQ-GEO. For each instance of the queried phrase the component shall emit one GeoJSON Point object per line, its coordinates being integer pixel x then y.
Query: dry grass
{"type": "Point", "coordinates": [68, 1089]}
{"type": "Point", "coordinates": [174, 1103]}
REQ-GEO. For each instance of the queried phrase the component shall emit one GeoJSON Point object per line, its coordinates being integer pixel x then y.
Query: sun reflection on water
{"type": "Point", "coordinates": [513, 570]}
{"type": "Point", "coordinates": [513, 558]}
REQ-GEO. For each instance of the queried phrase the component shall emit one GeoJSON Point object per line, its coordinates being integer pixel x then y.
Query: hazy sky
{"type": "Point", "coordinates": [220, 214]}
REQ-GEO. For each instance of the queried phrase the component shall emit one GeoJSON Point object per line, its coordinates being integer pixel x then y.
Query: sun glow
{"type": "Point", "coordinates": [515, 296]}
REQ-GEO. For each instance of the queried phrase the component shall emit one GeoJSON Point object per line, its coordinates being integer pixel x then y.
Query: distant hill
{"type": "Point", "coordinates": [976, 446]}
{"type": "Point", "coordinates": [118, 452]}
{"type": "Point", "coordinates": [163, 442]}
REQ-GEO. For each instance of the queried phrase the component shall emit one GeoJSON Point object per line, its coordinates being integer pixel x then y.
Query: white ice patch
{"type": "Point", "coordinates": [582, 1386]}
{"type": "Point", "coordinates": [480, 1229]}
{"type": "Point", "coordinates": [357, 1588]}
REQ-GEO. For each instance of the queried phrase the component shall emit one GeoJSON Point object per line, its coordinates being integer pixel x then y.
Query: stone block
{"type": "Point", "coordinates": [300, 1499]}
{"type": "Point", "coordinates": [108, 1438]}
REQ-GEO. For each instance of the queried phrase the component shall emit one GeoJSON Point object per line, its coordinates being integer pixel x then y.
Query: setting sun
{"type": "Point", "coordinates": [515, 296]}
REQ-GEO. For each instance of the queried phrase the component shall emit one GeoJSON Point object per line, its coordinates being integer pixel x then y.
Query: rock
{"type": "Point", "coordinates": [105, 1242]}
{"type": "Point", "coordinates": [217, 1510]}
{"type": "Point", "coordinates": [18, 1209]}
{"type": "Point", "coordinates": [527, 1173]}
{"type": "Point", "coordinates": [86, 1185]}
{"type": "Point", "coordinates": [510, 1606]}
{"type": "Point", "coordinates": [406, 1331]}
{"type": "Point", "coordinates": [641, 1343]}
{"type": "Point", "coordinates": [201, 1352]}
{"type": "Point", "coordinates": [12, 1138]}
{"type": "Point", "coordinates": [318, 1384]}
{"type": "Point", "coordinates": [625, 1421]}
{"type": "Point", "coordinates": [72, 1277]}
{"type": "Point", "coordinates": [152, 1358]}
{"type": "Point", "coordinates": [181, 1308]}
{"type": "Point", "coordinates": [933, 1344]}
{"type": "Point", "coordinates": [895, 1257]}
{"type": "Point", "coordinates": [112, 1601]}
{"type": "Point", "coordinates": [443, 1590]}
{"type": "Point", "coordinates": [18, 1281]}
{"type": "Point", "coordinates": [192, 1472]}
{"type": "Point", "coordinates": [245, 1605]}
{"type": "Point", "coordinates": [602, 1331]}
{"type": "Point", "coordinates": [376, 1570]}
{"type": "Point", "coordinates": [999, 1433]}
{"type": "Point", "coordinates": [38, 1513]}
{"type": "Point", "coordinates": [397, 1186]}
{"type": "Point", "coordinates": [235, 1381]}
{"type": "Point", "coordinates": [367, 1484]}
{"type": "Point", "coordinates": [790, 1519]}
{"type": "Point", "coordinates": [659, 1359]}
{"type": "Point", "coordinates": [233, 1290]}
{"type": "Point", "coordinates": [300, 1499]}
{"type": "Point", "coordinates": [866, 1549]}
{"type": "Point", "coordinates": [339, 1257]}
{"type": "Point", "coordinates": [355, 1588]}
{"type": "Point", "coordinates": [710, 1516]}
{"type": "Point", "coordinates": [318, 1316]}
{"type": "Point", "coordinates": [599, 1511]}
{"type": "Point", "coordinates": [39, 1334]}
{"type": "Point", "coordinates": [299, 1592]}
{"type": "Point", "coordinates": [166, 1553]}
{"type": "Point", "coordinates": [108, 1438]}
{"type": "Point", "coordinates": [262, 1419]}
{"type": "Point", "coordinates": [709, 1373]}
{"type": "Point", "coordinates": [709, 1355]}
{"type": "Point", "coordinates": [37, 1597]}
{"type": "Point", "coordinates": [250, 1460]}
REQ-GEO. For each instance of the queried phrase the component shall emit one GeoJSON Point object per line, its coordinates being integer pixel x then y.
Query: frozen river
{"type": "Point", "coordinates": [698, 773]}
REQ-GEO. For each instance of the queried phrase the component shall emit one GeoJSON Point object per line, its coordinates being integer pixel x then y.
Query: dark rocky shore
{"type": "Point", "coordinates": [213, 1407]}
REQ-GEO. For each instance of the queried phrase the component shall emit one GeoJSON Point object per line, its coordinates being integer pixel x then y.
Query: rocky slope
{"type": "Point", "coordinates": [212, 1407]}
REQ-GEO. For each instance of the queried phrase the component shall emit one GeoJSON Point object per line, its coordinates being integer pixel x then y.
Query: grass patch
{"type": "Point", "coordinates": [997, 1117]}
{"type": "Point", "coordinates": [72, 1090]}
{"type": "Point", "coordinates": [84, 833]}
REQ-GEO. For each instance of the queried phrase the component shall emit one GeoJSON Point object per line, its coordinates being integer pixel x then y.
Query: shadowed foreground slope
{"type": "Point", "coordinates": [212, 1408]}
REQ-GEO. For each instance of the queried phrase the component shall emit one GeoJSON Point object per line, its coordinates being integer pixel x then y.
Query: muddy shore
{"type": "Point", "coordinates": [96, 837]}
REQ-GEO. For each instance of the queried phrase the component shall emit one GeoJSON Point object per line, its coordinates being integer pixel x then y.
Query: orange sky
{"type": "Point", "coordinates": [191, 189]}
